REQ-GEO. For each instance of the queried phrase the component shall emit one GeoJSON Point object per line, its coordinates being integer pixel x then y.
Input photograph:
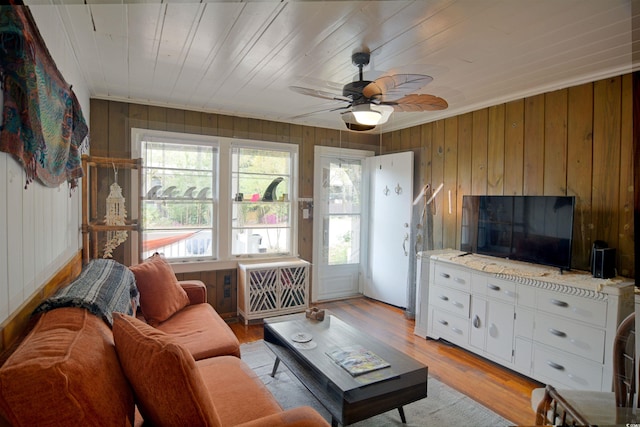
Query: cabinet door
{"type": "Point", "coordinates": [293, 287]}
{"type": "Point", "coordinates": [478, 329]}
{"type": "Point", "coordinates": [263, 290]}
{"type": "Point", "coordinates": [500, 329]}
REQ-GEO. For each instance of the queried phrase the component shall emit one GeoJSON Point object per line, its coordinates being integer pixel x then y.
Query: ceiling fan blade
{"type": "Point", "coordinates": [418, 103]}
{"type": "Point", "coordinates": [326, 110]}
{"type": "Point", "coordinates": [319, 93]}
{"type": "Point", "coordinates": [319, 83]}
{"type": "Point", "coordinates": [395, 86]}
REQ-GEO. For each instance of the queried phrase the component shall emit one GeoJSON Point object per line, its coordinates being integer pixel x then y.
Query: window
{"type": "Point", "coordinates": [178, 198]}
{"type": "Point", "coordinates": [209, 198]}
{"type": "Point", "coordinates": [261, 183]}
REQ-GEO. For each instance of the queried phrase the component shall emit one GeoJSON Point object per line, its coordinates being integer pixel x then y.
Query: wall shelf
{"type": "Point", "coordinates": [91, 224]}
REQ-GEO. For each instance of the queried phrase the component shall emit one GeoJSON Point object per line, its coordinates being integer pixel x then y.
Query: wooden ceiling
{"type": "Point", "coordinates": [240, 57]}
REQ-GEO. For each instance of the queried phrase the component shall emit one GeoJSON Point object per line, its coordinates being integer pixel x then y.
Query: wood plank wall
{"type": "Point", "coordinates": [576, 141]}
{"type": "Point", "coordinates": [111, 124]}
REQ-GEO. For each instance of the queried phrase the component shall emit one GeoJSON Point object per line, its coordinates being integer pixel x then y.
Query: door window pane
{"type": "Point", "coordinates": [344, 239]}
{"type": "Point", "coordinates": [342, 182]}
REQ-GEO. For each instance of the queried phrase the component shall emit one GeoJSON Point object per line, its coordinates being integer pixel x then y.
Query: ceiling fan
{"type": "Point", "coordinates": [370, 103]}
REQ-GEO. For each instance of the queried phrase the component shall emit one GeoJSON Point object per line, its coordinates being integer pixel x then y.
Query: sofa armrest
{"type": "Point", "coordinates": [196, 291]}
{"type": "Point", "coordinates": [303, 416]}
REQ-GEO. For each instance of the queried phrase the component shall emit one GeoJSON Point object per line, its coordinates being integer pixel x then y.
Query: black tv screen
{"type": "Point", "coordinates": [536, 229]}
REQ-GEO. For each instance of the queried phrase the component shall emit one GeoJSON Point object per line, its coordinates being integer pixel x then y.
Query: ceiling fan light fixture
{"type": "Point", "coordinates": [365, 115]}
{"type": "Point", "coordinates": [385, 111]}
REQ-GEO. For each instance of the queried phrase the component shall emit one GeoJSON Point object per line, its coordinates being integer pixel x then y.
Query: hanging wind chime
{"type": "Point", "coordinates": [116, 215]}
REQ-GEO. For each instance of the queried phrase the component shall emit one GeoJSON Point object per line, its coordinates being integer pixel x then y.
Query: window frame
{"type": "Point", "coordinates": [224, 202]}
{"type": "Point", "coordinates": [292, 149]}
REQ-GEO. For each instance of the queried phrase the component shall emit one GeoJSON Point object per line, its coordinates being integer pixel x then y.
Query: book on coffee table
{"type": "Point", "coordinates": [357, 360]}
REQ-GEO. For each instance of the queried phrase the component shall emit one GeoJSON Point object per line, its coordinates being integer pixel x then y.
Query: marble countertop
{"type": "Point", "coordinates": [506, 267]}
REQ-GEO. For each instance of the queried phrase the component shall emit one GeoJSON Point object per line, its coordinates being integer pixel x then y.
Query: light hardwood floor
{"type": "Point", "coordinates": [504, 391]}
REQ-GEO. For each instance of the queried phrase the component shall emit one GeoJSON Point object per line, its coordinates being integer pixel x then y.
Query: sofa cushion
{"type": "Point", "coordinates": [230, 381]}
{"type": "Point", "coordinates": [66, 371]}
{"type": "Point", "coordinates": [160, 294]}
{"type": "Point", "coordinates": [202, 331]}
{"type": "Point", "coordinates": [168, 386]}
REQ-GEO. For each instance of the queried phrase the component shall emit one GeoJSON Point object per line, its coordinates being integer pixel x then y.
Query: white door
{"type": "Point", "coordinates": [391, 197]}
{"type": "Point", "coordinates": [340, 222]}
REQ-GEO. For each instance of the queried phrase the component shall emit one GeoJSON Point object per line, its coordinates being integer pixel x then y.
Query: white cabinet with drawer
{"type": "Point", "coordinates": [556, 328]}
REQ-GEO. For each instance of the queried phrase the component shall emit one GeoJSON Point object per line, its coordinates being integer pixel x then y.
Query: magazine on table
{"type": "Point", "coordinates": [357, 360]}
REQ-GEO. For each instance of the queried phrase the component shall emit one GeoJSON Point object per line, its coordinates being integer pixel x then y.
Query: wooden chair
{"type": "Point", "coordinates": [581, 407]}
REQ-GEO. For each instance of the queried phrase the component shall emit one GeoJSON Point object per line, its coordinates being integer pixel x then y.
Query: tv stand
{"type": "Point", "coordinates": [555, 326]}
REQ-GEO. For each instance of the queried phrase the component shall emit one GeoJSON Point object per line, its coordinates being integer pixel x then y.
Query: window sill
{"type": "Point", "coordinates": [229, 264]}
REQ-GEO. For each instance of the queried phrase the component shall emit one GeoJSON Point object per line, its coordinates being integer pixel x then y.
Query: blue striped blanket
{"type": "Point", "coordinates": [104, 286]}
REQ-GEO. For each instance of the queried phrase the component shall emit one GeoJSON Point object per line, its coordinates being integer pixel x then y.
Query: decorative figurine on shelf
{"type": "Point", "coordinates": [270, 192]}
{"type": "Point", "coordinates": [116, 215]}
{"type": "Point", "coordinates": [314, 314]}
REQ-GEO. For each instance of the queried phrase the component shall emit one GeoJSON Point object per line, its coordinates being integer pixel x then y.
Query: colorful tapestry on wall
{"type": "Point", "coordinates": [43, 125]}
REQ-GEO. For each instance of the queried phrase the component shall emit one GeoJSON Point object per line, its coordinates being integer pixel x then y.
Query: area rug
{"type": "Point", "coordinates": [444, 406]}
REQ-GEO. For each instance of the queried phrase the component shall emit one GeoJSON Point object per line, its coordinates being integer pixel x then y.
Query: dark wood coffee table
{"type": "Point", "coordinates": [348, 398]}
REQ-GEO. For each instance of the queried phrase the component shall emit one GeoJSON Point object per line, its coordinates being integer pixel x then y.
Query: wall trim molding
{"type": "Point", "coordinates": [15, 327]}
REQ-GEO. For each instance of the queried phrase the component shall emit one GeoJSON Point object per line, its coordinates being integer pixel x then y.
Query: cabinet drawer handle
{"type": "Point", "coordinates": [476, 321]}
{"type": "Point", "coordinates": [555, 365]}
{"type": "Point", "coordinates": [444, 322]}
{"type": "Point", "coordinates": [457, 331]}
{"type": "Point", "coordinates": [557, 333]}
{"type": "Point", "coordinates": [457, 304]}
{"type": "Point", "coordinates": [444, 298]}
{"type": "Point", "coordinates": [459, 280]}
{"type": "Point", "coordinates": [493, 287]}
{"type": "Point", "coordinates": [445, 275]}
{"type": "Point", "coordinates": [558, 303]}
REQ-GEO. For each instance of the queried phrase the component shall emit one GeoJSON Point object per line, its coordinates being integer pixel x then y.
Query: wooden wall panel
{"type": "Point", "coordinates": [606, 160]}
{"type": "Point", "coordinates": [99, 135]}
{"type": "Point", "coordinates": [424, 156]}
{"type": "Point", "coordinates": [514, 148]}
{"type": "Point", "coordinates": [175, 120]}
{"type": "Point", "coordinates": [138, 116]}
{"type": "Point", "coordinates": [240, 127]}
{"type": "Point", "coordinates": [192, 122]}
{"type": "Point", "coordinates": [306, 135]}
{"type": "Point", "coordinates": [534, 143]}
{"type": "Point", "coordinates": [625, 226]}
{"type": "Point", "coordinates": [157, 118]}
{"type": "Point", "coordinates": [225, 126]}
{"type": "Point", "coordinates": [414, 136]}
{"type": "Point", "coordinates": [555, 146]}
{"type": "Point", "coordinates": [111, 128]}
{"type": "Point", "coordinates": [209, 123]}
{"type": "Point", "coordinates": [465, 165]}
{"type": "Point", "coordinates": [449, 209]}
{"type": "Point", "coordinates": [495, 150]}
{"type": "Point", "coordinates": [576, 141]}
{"type": "Point", "coordinates": [405, 140]}
{"type": "Point", "coordinates": [437, 177]}
{"type": "Point", "coordinates": [579, 169]}
{"type": "Point", "coordinates": [479, 151]}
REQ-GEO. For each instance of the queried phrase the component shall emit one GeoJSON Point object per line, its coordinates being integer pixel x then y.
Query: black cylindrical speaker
{"type": "Point", "coordinates": [603, 263]}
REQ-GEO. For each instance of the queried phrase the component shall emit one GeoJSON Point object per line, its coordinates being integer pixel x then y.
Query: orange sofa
{"type": "Point", "coordinates": [73, 369]}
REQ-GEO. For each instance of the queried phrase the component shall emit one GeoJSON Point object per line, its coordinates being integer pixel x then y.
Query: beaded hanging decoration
{"type": "Point", "coordinates": [116, 215]}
